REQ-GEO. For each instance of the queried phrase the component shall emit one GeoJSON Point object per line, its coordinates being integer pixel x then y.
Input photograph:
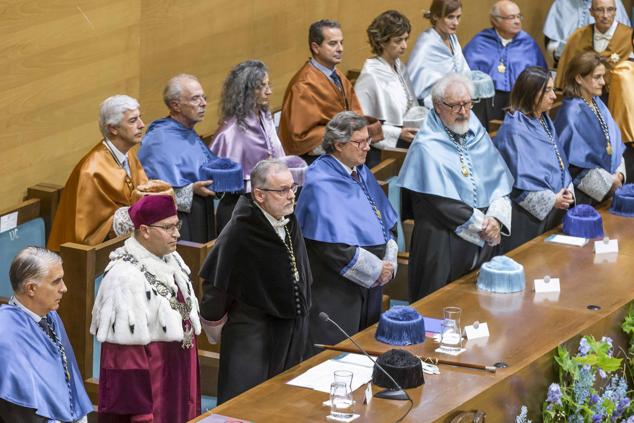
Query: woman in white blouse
{"type": "Point", "coordinates": [384, 88]}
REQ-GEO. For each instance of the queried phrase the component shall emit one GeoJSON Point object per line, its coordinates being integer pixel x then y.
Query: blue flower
{"type": "Point", "coordinates": [522, 418]}
{"type": "Point", "coordinates": [582, 387]}
{"type": "Point", "coordinates": [594, 399]}
{"type": "Point", "coordinates": [584, 347]}
{"type": "Point", "coordinates": [554, 394]}
{"type": "Point", "coordinates": [603, 374]}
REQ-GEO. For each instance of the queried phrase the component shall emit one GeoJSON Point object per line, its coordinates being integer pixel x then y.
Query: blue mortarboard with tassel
{"type": "Point", "coordinates": [401, 325]}
{"type": "Point", "coordinates": [583, 221]}
{"type": "Point", "coordinates": [502, 275]}
{"type": "Point", "coordinates": [226, 174]}
{"type": "Point", "coordinates": [623, 201]}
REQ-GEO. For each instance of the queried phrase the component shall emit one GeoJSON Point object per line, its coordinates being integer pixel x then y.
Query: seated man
{"type": "Point", "coordinates": [606, 36]}
{"type": "Point", "coordinates": [264, 299]}
{"type": "Point", "coordinates": [316, 93]}
{"type": "Point", "coordinates": [173, 152]}
{"type": "Point", "coordinates": [40, 381]}
{"type": "Point", "coordinates": [459, 186]}
{"type": "Point", "coordinates": [100, 187]}
{"type": "Point", "coordinates": [347, 222]}
{"type": "Point", "coordinates": [503, 52]}
{"type": "Point", "coordinates": [566, 16]}
{"type": "Point", "coordinates": [146, 315]}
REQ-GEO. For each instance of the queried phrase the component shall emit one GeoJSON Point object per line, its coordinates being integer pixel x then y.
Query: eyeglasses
{"type": "Point", "coordinates": [603, 10]}
{"type": "Point", "coordinates": [361, 144]}
{"type": "Point", "coordinates": [169, 228]}
{"type": "Point", "coordinates": [282, 191]}
{"type": "Point", "coordinates": [456, 107]}
{"type": "Point", "coordinates": [198, 99]}
{"type": "Point", "coordinates": [511, 17]}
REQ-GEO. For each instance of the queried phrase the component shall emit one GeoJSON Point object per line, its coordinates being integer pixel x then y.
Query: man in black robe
{"type": "Point", "coordinates": [257, 284]}
{"type": "Point", "coordinates": [459, 186]}
{"type": "Point", "coordinates": [347, 222]}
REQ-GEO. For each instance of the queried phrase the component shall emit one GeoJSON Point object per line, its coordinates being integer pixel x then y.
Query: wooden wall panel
{"type": "Point", "coordinates": [61, 58]}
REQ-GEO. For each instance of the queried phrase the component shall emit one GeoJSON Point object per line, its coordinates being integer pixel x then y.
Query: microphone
{"type": "Point", "coordinates": [394, 394]}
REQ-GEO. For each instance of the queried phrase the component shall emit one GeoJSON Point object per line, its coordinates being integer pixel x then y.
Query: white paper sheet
{"type": "Point", "coordinates": [321, 376]}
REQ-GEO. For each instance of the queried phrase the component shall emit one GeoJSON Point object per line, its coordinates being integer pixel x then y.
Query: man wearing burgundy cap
{"type": "Point", "coordinates": [146, 316]}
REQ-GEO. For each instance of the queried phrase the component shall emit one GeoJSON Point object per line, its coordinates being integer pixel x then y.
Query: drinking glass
{"type": "Point", "coordinates": [451, 333]}
{"type": "Point", "coordinates": [341, 403]}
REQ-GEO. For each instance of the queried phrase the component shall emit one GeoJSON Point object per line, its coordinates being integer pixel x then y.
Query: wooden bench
{"type": "Point", "coordinates": [24, 224]}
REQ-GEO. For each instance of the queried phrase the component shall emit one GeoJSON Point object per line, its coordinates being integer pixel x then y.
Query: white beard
{"type": "Point", "coordinates": [459, 128]}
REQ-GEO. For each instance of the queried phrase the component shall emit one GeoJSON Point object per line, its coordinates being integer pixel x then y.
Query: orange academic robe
{"type": "Point", "coordinates": [621, 101]}
{"type": "Point", "coordinates": [310, 101]}
{"type": "Point", "coordinates": [95, 189]}
{"type": "Point", "coordinates": [619, 48]}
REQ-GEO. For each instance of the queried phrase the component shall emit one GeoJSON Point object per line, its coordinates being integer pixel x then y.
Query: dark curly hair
{"type": "Point", "coordinates": [387, 25]}
{"type": "Point", "coordinates": [238, 98]}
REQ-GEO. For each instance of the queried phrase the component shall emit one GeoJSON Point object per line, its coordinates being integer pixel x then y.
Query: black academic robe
{"type": "Point", "coordinates": [199, 224]}
{"type": "Point", "coordinates": [437, 255]}
{"type": "Point", "coordinates": [526, 226]}
{"type": "Point", "coordinates": [248, 276]}
{"type": "Point", "coordinates": [352, 306]}
{"type": "Point", "coordinates": [11, 413]}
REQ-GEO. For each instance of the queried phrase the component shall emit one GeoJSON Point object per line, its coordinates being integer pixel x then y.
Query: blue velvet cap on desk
{"type": "Point", "coordinates": [502, 275]}
{"type": "Point", "coordinates": [583, 221]}
{"type": "Point", "coordinates": [401, 325]}
{"type": "Point", "coordinates": [623, 201]}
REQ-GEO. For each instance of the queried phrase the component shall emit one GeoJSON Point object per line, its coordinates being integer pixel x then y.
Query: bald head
{"type": "Point", "coordinates": [604, 13]}
{"type": "Point", "coordinates": [506, 18]}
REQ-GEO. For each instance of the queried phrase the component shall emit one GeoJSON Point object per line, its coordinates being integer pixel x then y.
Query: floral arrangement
{"type": "Point", "coordinates": [593, 386]}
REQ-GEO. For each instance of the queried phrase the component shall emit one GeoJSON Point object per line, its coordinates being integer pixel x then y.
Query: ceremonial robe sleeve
{"type": "Point", "coordinates": [594, 182]}
{"type": "Point", "coordinates": [501, 210]}
{"type": "Point", "coordinates": [184, 198]}
{"type": "Point", "coordinates": [354, 263]}
{"type": "Point", "coordinates": [537, 203]}
{"type": "Point", "coordinates": [455, 216]}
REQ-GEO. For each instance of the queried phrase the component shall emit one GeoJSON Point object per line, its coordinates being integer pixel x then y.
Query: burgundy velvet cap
{"type": "Point", "coordinates": [151, 209]}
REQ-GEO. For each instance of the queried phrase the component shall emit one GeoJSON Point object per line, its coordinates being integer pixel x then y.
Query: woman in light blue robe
{"type": "Point", "coordinates": [528, 142]}
{"type": "Point", "coordinates": [590, 137]}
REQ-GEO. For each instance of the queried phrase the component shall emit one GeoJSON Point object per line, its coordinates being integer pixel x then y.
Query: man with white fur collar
{"type": "Point", "coordinates": [146, 316]}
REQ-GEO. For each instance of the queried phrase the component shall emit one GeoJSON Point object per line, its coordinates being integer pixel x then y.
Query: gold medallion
{"type": "Point", "coordinates": [609, 148]}
{"type": "Point", "coordinates": [501, 68]}
{"type": "Point", "coordinates": [465, 171]}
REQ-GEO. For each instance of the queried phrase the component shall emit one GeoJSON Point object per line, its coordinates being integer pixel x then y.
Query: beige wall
{"type": "Point", "coordinates": [61, 58]}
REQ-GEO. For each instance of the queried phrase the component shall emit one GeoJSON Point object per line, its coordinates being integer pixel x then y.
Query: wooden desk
{"type": "Point", "coordinates": [525, 330]}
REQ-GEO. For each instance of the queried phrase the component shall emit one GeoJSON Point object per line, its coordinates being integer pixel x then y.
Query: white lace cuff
{"type": "Point", "coordinates": [390, 137]}
{"type": "Point", "coordinates": [184, 198]}
{"type": "Point", "coordinates": [470, 230]}
{"type": "Point", "coordinates": [391, 255]}
{"type": "Point", "coordinates": [364, 269]}
{"type": "Point", "coordinates": [121, 222]}
{"type": "Point", "coordinates": [596, 183]}
{"type": "Point", "coordinates": [539, 203]}
{"type": "Point", "coordinates": [501, 209]}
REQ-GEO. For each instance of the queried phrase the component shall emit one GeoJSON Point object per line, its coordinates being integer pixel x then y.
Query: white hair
{"type": "Point", "coordinates": [172, 90]}
{"type": "Point", "coordinates": [112, 110]}
{"type": "Point", "coordinates": [439, 89]}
